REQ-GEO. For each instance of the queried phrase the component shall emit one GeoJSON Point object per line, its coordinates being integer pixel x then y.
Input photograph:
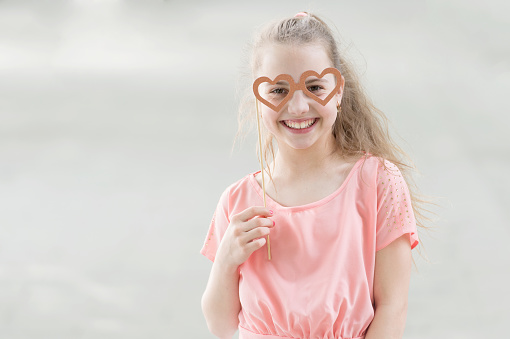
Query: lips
{"type": "Point", "coordinates": [299, 124]}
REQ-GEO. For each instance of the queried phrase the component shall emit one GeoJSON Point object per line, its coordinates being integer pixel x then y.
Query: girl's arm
{"type": "Point", "coordinates": [220, 302]}
{"type": "Point", "coordinates": [391, 287]}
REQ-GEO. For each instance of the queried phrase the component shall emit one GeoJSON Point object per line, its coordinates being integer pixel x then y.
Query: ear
{"type": "Point", "coordinates": [339, 94]}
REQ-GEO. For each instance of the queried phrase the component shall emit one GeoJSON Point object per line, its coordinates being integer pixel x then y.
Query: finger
{"type": "Point", "coordinates": [256, 233]}
{"type": "Point", "coordinates": [255, 245]}
{"type": "Point", "coordinates": [253, 212]}
{"type": "Point", "coordinates": [256, 223]}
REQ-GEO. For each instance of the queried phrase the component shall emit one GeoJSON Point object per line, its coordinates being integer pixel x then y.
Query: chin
{"type": "Point", "coordinates": [301, 146]}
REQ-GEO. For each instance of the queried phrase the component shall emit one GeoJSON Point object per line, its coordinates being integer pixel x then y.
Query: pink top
{"type": "Point", "coordinates": [319, 283]}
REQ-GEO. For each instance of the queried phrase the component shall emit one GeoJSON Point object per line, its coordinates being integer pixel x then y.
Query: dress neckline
{"type": "Point", "coordinates": [276, 205]}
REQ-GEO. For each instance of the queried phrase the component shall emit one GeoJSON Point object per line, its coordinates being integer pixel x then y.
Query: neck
{"type": "Point", "coordinates": [302, 163]}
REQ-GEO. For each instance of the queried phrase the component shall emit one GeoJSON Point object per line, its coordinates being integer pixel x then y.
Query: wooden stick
{"type": "Point", "coordinates": [262, 172]}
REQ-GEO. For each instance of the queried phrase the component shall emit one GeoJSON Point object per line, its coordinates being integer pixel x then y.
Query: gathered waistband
{"type": "Point", "coordinates": [246, 334]}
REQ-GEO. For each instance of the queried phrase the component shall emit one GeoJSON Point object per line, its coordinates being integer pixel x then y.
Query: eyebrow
{"type": "Point", "coordinates": [316, 80]}
{"type": "Point", "coordinates": [285, 83]}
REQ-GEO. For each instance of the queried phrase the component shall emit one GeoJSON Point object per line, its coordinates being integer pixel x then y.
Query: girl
{"type": "Point", "coordinates": [340, 217]}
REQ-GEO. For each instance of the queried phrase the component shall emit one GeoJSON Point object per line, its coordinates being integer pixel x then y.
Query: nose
{"type": "Point", "coordinates": [298, 104]}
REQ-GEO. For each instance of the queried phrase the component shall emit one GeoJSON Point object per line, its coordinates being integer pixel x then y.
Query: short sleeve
{"type": "Point", "coordinates": [395, 216]}
{"type": "Point", "coordinates": [217, 227]}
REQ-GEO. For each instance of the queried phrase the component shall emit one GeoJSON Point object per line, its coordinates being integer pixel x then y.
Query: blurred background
{"type": "Point", "coordinates": [116, 126]}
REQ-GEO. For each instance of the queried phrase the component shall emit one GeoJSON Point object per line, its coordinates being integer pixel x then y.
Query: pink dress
{"type": "Point", "coordinates": [319, 283]}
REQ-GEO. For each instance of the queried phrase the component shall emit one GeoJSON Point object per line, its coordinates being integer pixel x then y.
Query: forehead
{"type": "Point", "coordinates": [278, 59]}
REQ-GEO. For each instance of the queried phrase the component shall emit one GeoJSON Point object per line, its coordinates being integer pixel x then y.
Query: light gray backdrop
{"type": "Point", "coordinates": [116, 124]}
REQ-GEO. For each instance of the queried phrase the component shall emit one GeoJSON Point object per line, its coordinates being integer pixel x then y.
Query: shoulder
{"type": "Point", "coordinates": [377, 170]}
{"type": "Point", "coordinates": [238, 188]}
{"type": "Point", "coordinates": [371, 164]}
{"type": "Point", "coordinates": [379, 164]}
{"type": "Point", "coordinates": [242, 184]}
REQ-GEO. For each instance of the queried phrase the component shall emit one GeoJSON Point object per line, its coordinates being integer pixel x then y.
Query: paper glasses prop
{"type": "Point", "coordinates": [275, 101]}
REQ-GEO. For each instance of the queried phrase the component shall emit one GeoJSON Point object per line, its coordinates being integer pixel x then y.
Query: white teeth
{"type": "Point", "coordinates": [299, 125]}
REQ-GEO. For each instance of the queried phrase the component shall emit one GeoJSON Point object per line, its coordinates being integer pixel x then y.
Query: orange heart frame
{"type": "Point", "coordinates": [297, 86]}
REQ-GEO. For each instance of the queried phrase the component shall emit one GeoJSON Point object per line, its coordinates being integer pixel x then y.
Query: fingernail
{"type": "Point", "coordinates": [270, 211]}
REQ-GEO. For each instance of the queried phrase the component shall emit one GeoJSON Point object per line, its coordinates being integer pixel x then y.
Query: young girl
{"type": "Point", "coordinates": [339, 213]}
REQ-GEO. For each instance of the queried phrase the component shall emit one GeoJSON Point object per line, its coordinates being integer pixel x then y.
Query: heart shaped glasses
{"type": "Point", "coordinates": [278, 92]}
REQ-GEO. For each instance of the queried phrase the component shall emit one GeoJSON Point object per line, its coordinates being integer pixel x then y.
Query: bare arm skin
{"type": "Point", "coordinates": [391, 288]}
{"type": "Point", "coordinates": [220, 302]}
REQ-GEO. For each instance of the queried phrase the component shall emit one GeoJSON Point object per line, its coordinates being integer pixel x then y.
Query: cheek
{"type": "Point", "coordinates": [265, 124]}
{"type": "Point", "coordinates": [269, 117]}
{"type": "Point", "coordinates": [330, 108]}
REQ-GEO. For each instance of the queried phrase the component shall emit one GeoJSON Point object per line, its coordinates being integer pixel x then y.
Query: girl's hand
{"type": "Point", "coordinates": [245, 234]}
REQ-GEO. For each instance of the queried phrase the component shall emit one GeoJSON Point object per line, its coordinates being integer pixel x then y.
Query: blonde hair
{"type": "Point", "coordinates": [359, 128]}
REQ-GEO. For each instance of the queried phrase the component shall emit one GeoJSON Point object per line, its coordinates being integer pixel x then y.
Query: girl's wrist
{"type": "Point", "coordinates": [225, 266]}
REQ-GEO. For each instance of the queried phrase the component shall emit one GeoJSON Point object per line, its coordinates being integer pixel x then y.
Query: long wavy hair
{"type": "Point", "coordinates": [359, 128]}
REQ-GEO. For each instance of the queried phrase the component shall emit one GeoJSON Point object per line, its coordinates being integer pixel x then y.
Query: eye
{"type": "Point", "coordinates": [315, 88]}
{"type": "Point", "coordinates": [278, 91]}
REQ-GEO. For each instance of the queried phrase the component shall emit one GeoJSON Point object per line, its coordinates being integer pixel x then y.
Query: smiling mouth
{"type": "Point", "coordinates": [301, 124]}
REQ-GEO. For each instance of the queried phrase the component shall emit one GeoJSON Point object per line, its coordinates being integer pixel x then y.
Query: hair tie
{"type": "Point", "coordinates": [300, 14]}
